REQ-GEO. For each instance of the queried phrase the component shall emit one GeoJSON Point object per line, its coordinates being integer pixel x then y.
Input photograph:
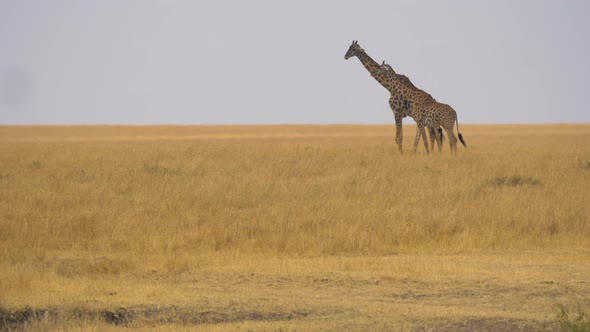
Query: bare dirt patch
{"type": "Point", "coordinates": [492, 324]}
{"type": "Point", "coordinates": [142, 315]}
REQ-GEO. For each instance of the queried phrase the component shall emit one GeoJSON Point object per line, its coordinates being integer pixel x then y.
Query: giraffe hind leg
{"type": "Point", "coordinates": [452, 138]}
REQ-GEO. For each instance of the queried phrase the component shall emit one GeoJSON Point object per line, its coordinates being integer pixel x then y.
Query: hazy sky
{"type": "Point", "coordinates": [263, 62]}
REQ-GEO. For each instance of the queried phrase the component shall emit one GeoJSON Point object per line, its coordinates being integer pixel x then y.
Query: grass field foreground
{"type": "Point", "coordinates": [97, 217]}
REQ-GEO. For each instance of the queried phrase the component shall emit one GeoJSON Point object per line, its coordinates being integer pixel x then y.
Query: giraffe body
{"type": "Point", "coordinates": [426, 111]}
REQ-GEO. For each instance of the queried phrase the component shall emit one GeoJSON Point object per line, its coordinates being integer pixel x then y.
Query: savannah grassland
{"type": "Point", "coordinates": [292, 228]}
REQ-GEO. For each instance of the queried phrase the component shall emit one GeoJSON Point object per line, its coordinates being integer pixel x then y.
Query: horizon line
{"type": "Point", "coordinates": [266, 124]}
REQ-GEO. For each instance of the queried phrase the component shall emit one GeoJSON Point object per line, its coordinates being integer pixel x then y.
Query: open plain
{"type": "Point", "coordinates": [292, 228]}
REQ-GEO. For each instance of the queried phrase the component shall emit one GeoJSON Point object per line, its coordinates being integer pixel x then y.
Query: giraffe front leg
{"type": "Point", "coordinates": [399, 135]}
{"type": "Point", "coordinates": [417, 139]}
{"type": "Point", "coordinates": [423, 133]}
{"type": "Point", "coordinates": [432, 136]}
{"type": "Point", "coordinates": [439, 139]}
{"type": "Point", "coordinates": [436, 135]}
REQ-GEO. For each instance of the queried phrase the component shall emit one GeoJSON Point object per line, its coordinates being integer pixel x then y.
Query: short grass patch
{"type": "Point", "coordinates": [573, 322]}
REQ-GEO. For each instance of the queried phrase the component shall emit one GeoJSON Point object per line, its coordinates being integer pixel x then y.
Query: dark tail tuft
{"type": "Point", "coordinates": [462, 140]}
{"type": "Point", "coordinates": [440, 133]}
{"type": "Point", "coordinates": [460, 136]}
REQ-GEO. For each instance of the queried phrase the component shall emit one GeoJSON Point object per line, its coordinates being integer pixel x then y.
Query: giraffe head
{"type": "Point", "coordinates": [385, 73]}
{"type": "Point", "coordinates": [385, 69]}
{"type": "Point", "coordinates": [353, 50]}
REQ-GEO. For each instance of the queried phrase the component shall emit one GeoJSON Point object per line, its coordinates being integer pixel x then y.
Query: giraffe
{"type": "Point", "coordinates": [398, 105]}
{"type": "Point", "coordinates": [424, 109]}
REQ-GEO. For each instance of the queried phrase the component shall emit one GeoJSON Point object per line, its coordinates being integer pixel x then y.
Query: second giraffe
{"type": "Point", "coordinates": [426, 111]}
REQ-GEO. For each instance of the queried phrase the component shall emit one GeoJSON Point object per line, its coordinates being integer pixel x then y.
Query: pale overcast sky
{"type": "Point", "coordinates": [271, 62]}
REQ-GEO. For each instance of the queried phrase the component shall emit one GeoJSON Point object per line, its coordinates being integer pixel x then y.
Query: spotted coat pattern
{"type": "Point", "coordinates": [400, 107]}
{"type": "Point", "coordinates": [426, 111]}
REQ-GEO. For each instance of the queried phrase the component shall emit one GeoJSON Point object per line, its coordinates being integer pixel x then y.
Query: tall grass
{"type": "Point", "coordinates": [346, 194]}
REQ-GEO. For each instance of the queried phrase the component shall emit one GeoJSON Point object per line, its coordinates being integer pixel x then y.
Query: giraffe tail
{"type": "Point", "coordinates": [460, 136]}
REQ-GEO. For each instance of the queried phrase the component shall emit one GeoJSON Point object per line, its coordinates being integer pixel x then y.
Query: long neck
{"type": "Point", "coordinates": [395, 86]}
{"type": "Point", "coordinates": [372, 66]}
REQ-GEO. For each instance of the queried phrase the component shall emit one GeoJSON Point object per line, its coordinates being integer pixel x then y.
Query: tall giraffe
{"type": "Point", "coordinates": [424, 109]}
{"type": "Point", "coordinates": [398, 105]}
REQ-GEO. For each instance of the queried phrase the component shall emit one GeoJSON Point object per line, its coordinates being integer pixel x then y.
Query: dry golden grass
{"type": "Point", "coordinates": [294, 227]}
